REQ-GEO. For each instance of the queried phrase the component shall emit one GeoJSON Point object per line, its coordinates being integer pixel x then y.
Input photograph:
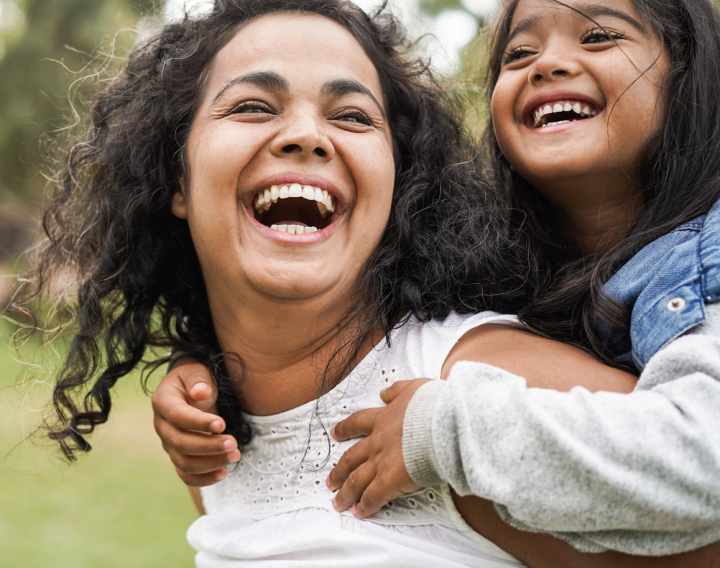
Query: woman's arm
{"type": "Point", "coordinates": [539, 550]}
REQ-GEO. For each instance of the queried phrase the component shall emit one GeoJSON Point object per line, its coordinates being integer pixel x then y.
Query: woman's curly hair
{"type": "Point", "coordinates": [140, 284]}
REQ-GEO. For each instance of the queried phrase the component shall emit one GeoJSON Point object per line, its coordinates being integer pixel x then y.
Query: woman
{"type": "Point", "coordinates": [223, 204]}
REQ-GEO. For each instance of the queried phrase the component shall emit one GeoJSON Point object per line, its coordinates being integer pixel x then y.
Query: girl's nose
{"type": "Point", "coordinates": [304, 138]}
{"type": "Point", "coordinates": [552, 65]}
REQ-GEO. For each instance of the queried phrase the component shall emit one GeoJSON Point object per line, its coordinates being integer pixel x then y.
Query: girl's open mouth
{"type": "Point", "coordinates": [560, 112]}
{"type": "Point", "coordinates": [294, 208]}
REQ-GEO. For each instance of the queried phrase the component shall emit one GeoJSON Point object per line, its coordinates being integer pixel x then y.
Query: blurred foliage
{"type": "Point", "coordinates": [434, 7]}
{"type": "Point", "coordinates": [46, 46]}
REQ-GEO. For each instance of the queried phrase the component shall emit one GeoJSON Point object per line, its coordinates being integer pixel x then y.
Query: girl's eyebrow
{"type": "Point", "coordinates": [590, 11]}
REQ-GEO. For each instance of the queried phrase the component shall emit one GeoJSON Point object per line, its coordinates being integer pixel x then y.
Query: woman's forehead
{"type": "Point", "coordinates": [303, 49]}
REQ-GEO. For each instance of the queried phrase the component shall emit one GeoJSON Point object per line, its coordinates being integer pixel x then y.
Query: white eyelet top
{"type": "Point", "coordinates": [274, 508]}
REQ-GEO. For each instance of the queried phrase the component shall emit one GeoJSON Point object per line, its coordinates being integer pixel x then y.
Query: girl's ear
{"type": "Point", "coordinates": [178, 205]}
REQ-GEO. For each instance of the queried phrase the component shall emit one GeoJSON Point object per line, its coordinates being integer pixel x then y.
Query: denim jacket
{"type": "Point", "coordinates": [666, 286]}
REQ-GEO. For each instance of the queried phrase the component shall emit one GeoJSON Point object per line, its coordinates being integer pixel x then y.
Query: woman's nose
{"type": "Point", "coordinates": [305, 138]}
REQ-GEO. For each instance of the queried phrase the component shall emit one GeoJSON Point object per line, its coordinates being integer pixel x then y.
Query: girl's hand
{"type": "Point", "coordinates": [373, 471]}
{"type": "Point", "coordinates": [185, 419]}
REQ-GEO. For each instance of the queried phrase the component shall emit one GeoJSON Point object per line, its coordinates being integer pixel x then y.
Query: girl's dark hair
{"type": "Point", "coordinates": [109, 224]}
{"type": "Point", "coordinates": [680, 174]}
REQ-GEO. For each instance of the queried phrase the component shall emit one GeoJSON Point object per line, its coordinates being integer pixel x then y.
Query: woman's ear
{"type": "Point", "coordinates": [179, 205]}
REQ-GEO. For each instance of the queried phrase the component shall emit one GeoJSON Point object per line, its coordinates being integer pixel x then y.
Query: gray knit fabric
{"type": "Point", "coordinates": [638, 473]}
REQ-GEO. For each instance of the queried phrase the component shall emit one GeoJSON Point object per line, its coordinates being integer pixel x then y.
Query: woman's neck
{"type": "Point", "coordinates": [284, 347]}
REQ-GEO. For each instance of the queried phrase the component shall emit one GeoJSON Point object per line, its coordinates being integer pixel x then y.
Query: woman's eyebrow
{"type": "Point", "coordinates": [341, 87]}
{"type": "Point", "coordinates": [268, 80]}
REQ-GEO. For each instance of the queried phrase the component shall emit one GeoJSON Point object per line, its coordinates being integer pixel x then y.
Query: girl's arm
{"type": "Point", "coordinates": [581, 466]}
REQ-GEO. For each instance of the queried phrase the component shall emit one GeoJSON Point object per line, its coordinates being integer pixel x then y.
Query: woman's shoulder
{"type": "Point", "coordinates": [418, 348]}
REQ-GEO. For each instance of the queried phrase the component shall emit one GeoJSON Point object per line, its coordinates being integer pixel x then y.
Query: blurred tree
{"type": "Point", "coordinates": [46, 44]}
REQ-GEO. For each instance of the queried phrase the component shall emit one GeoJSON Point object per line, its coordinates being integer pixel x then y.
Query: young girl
{"type": "Point", "coordinates": [605, 133]}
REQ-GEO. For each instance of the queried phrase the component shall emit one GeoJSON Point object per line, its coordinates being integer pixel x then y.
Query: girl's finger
{"type": "Point", "coordinates": [373, 499]}
{"type": "Point", "coordinates": [202, 480]}
{"type": "Point", "coordinates": [354, 487]}
{"type": "Point", "coordinates": [393, 391]}
{"type": "Point", "coordinates": [193, 443]}
{"type": "Point", "coordinates": [355, 426]}
{"type": "Point", "coordinates": [198, 384]}
{"type": "Point", "coordinates": [196, 465]}
{"type": "Point", "coordinates": [175, 410]}
{"type": "Point", "coordinates": [354, 457]}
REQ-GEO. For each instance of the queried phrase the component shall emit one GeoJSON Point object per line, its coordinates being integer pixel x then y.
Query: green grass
{"type": "Point", "coordinates": [121, 505]}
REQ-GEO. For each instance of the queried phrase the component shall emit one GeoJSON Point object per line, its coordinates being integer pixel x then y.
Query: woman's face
{"type": "Point", "coordinates": [579, 92]}
{"type": "Point", "coordinates": [290, 162]}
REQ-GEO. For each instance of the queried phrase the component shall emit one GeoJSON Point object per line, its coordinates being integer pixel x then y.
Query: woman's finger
{"type": "Point", "coordinates": [355, 426]}
{"type": "Point", "coordinates": [193, 443]}
{"type": "Point", "coordinates": [354, 487]}
{"type": "Point", "coordinates": [354, 457]}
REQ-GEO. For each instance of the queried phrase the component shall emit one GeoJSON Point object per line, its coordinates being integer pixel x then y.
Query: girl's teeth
{"type": "Point", "coordinates": [308, 193]}
{"type": "Point", "coordinates": [295, 190]}
{"type": "Point", "coordinates": [294, 229]}
{"type": "Point", "coordinates": [567, 106]}
{"type": "Point", "coordinates": [274, 193]}
{"type": "Point", "coordinates": [284, 192]}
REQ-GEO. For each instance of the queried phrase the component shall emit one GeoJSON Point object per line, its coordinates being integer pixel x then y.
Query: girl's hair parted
{"type": "Point", "coordinates": [140, 284]}
{"type": "Point", "coordinates": [679, 168]}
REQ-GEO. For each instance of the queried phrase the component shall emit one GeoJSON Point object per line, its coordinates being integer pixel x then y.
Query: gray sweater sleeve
{"type": "Point", "coordinates": [638, 473]}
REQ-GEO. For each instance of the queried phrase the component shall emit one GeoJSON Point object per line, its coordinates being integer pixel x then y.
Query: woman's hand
{"type": "Point", "coordinates": [185, 420]}
{"type": "Point", "coordinates": [372, 472]}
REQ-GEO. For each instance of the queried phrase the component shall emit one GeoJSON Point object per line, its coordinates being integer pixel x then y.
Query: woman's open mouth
{"type": "Point", "coordinates": [559, 112]}
{"type": "Point", "coordinates": [294, 208]}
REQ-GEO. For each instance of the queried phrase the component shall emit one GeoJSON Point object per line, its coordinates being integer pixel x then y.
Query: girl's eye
{"type": "Point", "coordinates": [516, 54]}
{"type": "Point", "coordinates": [599, 35]}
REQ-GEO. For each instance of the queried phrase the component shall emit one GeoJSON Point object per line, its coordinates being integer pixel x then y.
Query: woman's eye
{"type": "Point", "coordinates": [252, 108]}
{"type": "Point", "coordinates": [600, 36]}
{"type": "Point", "coordinates": [354, 118]}
{"type": "Point", "coordinates": [515, 54]}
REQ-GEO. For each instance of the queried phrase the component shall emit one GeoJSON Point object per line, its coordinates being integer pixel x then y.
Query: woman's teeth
{"type": "Point", "coordinates": [560, 112]}
{"type": "Point", "coordinates": [294, 229]}
{"type": "Point", "coordinates": [265, 198]}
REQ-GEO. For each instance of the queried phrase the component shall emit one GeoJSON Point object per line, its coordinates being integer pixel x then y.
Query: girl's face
{"type": "Point", "coordinates": [290, 162]}
{"type": "Point", "coordinates": [578, 95]}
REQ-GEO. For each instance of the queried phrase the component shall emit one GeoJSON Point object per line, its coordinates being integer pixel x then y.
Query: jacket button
{"type": "Point", "coordinates": [676, 304]}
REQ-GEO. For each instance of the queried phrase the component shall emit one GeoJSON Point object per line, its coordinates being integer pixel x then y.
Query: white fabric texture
{"type": "Point", "coordinates": [274, 508]}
